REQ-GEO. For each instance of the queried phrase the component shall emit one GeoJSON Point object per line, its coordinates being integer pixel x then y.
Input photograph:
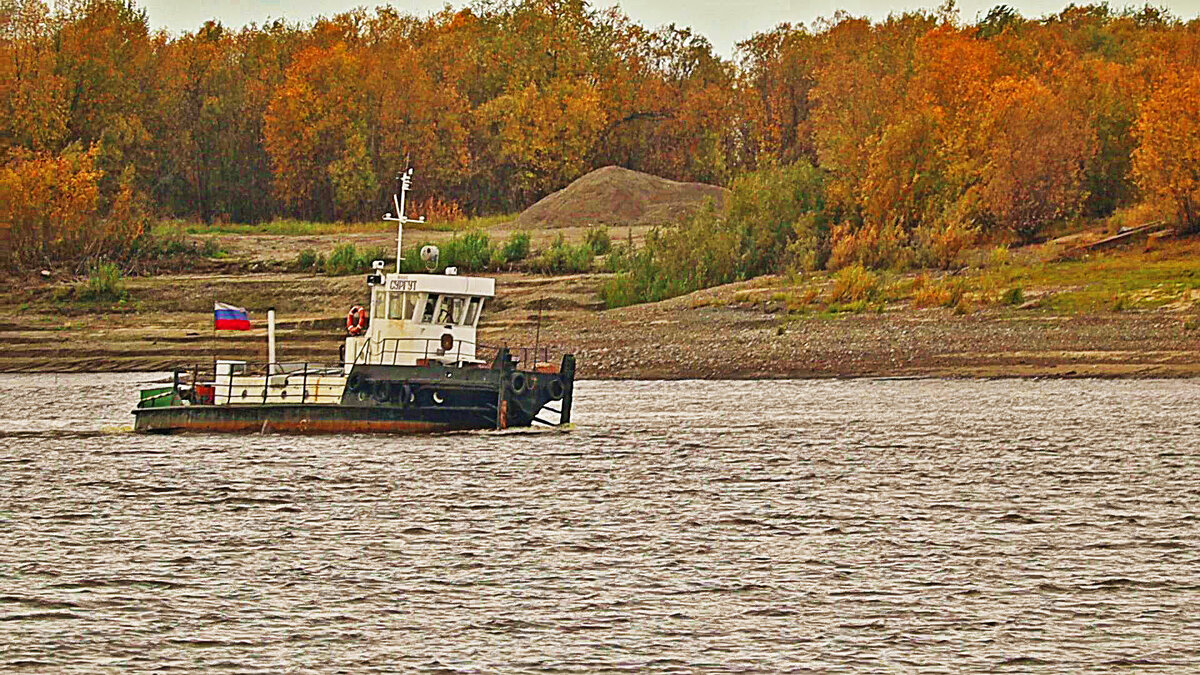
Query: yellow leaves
{"type": "Point", "coordinates": [545, 134]}
{"type": "Point", "coordinates": [307, 121]}
{"type": "Point", "coordinates": [1034, 154]}
{"type": "Point", "coordinates": [955, 69]}
{"type": "Point", "coordinates": [50, 206]}
{"type": "Point", "coordinates": [1166, 163]}
{"type": "Point", "coordinates": [33, 97]}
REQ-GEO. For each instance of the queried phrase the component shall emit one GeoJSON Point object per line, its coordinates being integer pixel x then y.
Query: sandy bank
{"type": "Point", "coordinates": [705, 335]}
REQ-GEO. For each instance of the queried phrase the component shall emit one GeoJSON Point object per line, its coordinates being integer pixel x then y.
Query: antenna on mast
{"type": "Point", "coordinates": [405, 181]}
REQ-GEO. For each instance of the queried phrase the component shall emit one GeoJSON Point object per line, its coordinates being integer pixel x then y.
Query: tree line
{"type": "Point", "coordinates": [919, 127]}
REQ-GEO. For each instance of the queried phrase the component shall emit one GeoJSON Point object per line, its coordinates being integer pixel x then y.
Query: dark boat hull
{"type": "Point", "coordinates": [306, 419]}
{"type": "Point", "coordinates": [387, 399]}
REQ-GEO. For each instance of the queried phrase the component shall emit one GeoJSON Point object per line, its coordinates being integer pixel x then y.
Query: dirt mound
{"type": "Point", "coordinates": [616, 196]}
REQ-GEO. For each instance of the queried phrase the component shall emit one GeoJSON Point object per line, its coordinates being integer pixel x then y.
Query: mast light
{"type": "Point", "coordinates": [400, 219]}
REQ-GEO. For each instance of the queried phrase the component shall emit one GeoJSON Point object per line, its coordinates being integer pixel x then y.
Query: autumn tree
{"type": "Point", "coordinates": [1036, 150]}
{"type": "Point", "coordinates": [778, 71]}
{"type": "Point", "coordinates": [312, 121]}
{"type": "Point", "coordinates": [52, 210]}
{"type": "Point", "coordinates": [107, 59]}
{"type": "Point", "coordinates": [1166, 163]}
{"type": "Point", "coordinates": [921, 128]}
{"type": "Point", "coordinates": [33, 102]}
{"type": "Point", "coordinates": [858, 93]}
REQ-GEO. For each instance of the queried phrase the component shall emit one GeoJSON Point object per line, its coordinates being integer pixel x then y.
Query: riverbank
{"type": "Point", "coordinates": [739, 331]}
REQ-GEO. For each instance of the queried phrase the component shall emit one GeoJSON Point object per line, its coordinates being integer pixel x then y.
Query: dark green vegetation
{"type": "Point", "coordinates": [473, 251]}
{"type": "Point", "coordinates": [776, 220]}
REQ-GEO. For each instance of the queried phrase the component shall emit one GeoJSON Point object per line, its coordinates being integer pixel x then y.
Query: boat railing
{"type": "Point", "coordinates": [405, 351]}
{"type": "Point", "coordinates": [530, 357]}
{"type": "Point", "coordinates": [218, 383]}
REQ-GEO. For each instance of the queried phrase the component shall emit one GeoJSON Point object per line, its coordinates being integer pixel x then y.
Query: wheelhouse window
{"type": "Point", "coordinates": [431, 303]}
{"type": "Point", "coordinates": [458, 308]}
{"type": "Point", "coordinates": [379, 302]}
{"type": "Point", "coordinates": [443, 310]}
{"type": "Point", "coordinates": [472, 314]}
{"type": "Point", "coordinates": [402, 306]}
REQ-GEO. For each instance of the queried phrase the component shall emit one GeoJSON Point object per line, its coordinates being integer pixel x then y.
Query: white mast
{"type": "Point", "coordinates": [401, 218]}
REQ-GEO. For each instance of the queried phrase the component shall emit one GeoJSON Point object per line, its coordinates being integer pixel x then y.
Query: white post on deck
{"type": "Point", "coordinates": [270, 339]}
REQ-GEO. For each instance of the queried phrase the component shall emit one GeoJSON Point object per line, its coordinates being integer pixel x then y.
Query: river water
{"type": "Point", "coordinates": [926, 525]}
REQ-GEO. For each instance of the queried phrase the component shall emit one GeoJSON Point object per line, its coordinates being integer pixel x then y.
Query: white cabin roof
{"type": "Point", "coordinates": [441, 283]}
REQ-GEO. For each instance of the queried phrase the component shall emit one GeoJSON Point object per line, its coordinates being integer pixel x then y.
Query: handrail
{"type": "Point", "coordinates": [374, 351]}
{"type": "Point", "coordinates": [225, 385]}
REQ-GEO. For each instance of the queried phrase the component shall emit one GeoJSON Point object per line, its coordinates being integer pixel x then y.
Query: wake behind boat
{"type": "Point", "coordinates": [410, 363]}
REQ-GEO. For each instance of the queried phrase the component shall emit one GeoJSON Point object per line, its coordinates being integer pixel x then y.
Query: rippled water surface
{"type": "Point", "coordinates": [833, 526]}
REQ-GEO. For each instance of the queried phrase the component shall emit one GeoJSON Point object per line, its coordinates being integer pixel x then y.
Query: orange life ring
{"type": "Point", "coordinates": [356, 320]}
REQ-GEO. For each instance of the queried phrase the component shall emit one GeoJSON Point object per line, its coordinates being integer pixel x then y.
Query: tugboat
{"type": "Point", "coordinates": [410, 363]}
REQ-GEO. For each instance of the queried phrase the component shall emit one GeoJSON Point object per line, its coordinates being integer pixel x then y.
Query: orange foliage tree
{"type": "Point", "coordinates": [51, 209]}
{"type": "Point", "coordinates": [1167, 159]}
{"type": "Point", "coordinates": [1035, 150]}
{"type": "Point", "coordinates": [33, 103]}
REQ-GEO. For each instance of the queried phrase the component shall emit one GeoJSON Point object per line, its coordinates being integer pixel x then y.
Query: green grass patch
{"type": "Point", "coordinates": [300, 228]}
{"type": "Point", "coordinates": [1118, 281]}
{"type": "Point", "coordinates": [346, 259]}
{"type": "Point", "coordinates": [563, 258]}
{"type": "Point", "coordinates": [105, 283]}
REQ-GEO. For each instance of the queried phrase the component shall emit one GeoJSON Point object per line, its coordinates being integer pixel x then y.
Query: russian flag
{"type": "Point", "coordinates": [228, 317]}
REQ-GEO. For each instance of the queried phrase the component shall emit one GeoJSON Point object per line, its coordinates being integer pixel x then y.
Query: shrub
{"type": "Point", "coordinates": [941, 244]}
{"type": "Point", "coordinates": [853, 284]}
{"type": "Point", "coordinates": [941, 294]}
{"type": "Point", "coordinates": [563, 258]}
{"type": "Point", "coordinates": [471, 252]}
{"type": "Point", "coordinates": [437, 210]}
{"type": "Point", "coordinates": [1013, 296]}
{"type": "Point", "coordinates": [346, 259]}
{"type": "Point", "coordinates": [620, 291]}
{"type": "Point", "coordinates": [516, 248]}
{"type": "Point", "coordinates": [618, 258]}
{"type": "Point", "coordinates": [764, 208]}
{"type": "Point", "coordinates": [775, 217]}
{"type": "Point", "coordinates": [370, 255]}
{"type": "Point", "coordinates": [597, 238]}
{"type": "Point", "coordinates": [211, 248]}
{"type": "Point", "coordinates": [105, 283]}
{"type": "Point", "coordinates": [63, 208]}
{"type": "Point", "coordinates": [308, 259]}
{"type": "Point", "coordinates": [1000, 256]}
{"type": "Point", "coordinates": [872, 245]}
{"type": "Point", "coordinates": [809, 251]}
{"type": "Point", "coordinates": [343, 261]}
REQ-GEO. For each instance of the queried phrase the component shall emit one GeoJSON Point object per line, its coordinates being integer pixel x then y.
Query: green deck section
{"type": "Point", "coordinates": [158, 397]}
